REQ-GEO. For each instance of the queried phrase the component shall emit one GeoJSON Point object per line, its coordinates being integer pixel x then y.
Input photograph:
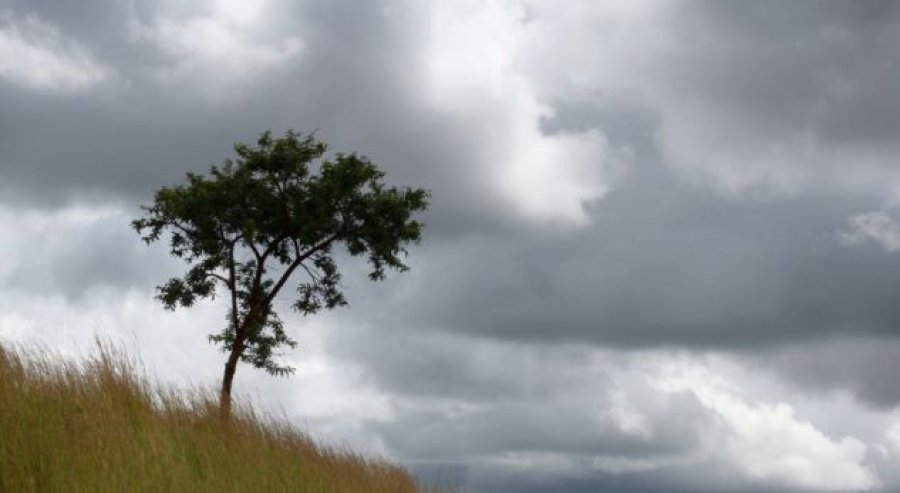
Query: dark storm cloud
{"type": "Point", "coordinates": [751, 98]}
{"type": "Point", "coordinates": [665, 265]}
{"type": "Point", "coordinates": [793, 76]}
{"type": "Point", "coordinates": [355, 81]}
{"type": "Point", "coordinates": [866, 367]}
{"type": "Point", "coordinates": [132, 132]}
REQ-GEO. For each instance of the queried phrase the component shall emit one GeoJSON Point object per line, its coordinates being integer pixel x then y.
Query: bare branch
{"type": "Point", "coordinates": [310, 272]}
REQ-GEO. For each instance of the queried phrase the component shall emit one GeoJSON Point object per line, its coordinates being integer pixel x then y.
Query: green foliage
{"type": "Point", "coordinates": [251, 223]}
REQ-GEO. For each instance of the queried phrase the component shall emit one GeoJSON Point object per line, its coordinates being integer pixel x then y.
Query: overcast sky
{"type": "Point", "coordinates": [662, 255]}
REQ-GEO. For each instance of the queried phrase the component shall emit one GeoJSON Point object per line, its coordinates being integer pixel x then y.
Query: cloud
{"type": "Point", "coordinates": [71, 251]}
{"type": "Point", "coordinates": [585, 414]}
{"type": "Point", "coordinates": [594, 417]}
{"type": "Point", "coordinates": [299, 67]}
{"type": "Point", "coordinates": [875, 226]}
{"type": "Point", "coordinates": [661, 266]}
{"type": "Point", "coordinates": [35, 55]}
{"type": "Point", "coordinates": [866, 370]}
{"type": "Point", "coordinates": [477, 76]}
{"type": "Point", "coordinates": [612, 183]}
{"type": "Point", "coordinates": [222, 45]}
{"type": "Point", "coordinates": [749, 99]}
{"type": "Point", "coordinates": [768, 442]}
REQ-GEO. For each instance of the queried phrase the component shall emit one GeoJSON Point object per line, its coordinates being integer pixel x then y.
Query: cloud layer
{"type": "Point", "coordinates": [661, 253]}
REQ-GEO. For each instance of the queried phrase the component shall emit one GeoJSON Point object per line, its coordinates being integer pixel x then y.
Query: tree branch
{"type": "Point", "coordinates": [297, 262]}
{"type": "Point", "coordinates": [310, 272]}
{"type": "Point", "coordinates": [270, 247]}
{"type": "Point", "coordinates": [256, 254]}
{"type": "Point", "coordinates": [232, 286]}
{"type": "Point", "coordinates": [261, 259]}
{"type": "Point", "coordinates": [177, 225]}
{"type": "Point", "coordinates": [219, 277]}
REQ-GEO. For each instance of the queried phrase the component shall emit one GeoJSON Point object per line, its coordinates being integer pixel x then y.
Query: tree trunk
{"type": "Point", "coordinates": [237, 348]}
{"type": "Point", "coordinates": [228, 378]}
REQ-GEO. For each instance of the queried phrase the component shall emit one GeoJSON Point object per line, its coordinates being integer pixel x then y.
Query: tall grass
{"type": "Point", "coordinates": [97, 424]}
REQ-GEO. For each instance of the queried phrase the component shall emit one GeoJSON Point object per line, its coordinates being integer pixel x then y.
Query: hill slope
{"type": "Point", "coordinates": [98, 425]}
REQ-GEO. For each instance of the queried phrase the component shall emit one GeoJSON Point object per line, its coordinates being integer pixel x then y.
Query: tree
{"type": "Point", "coordinates": [258, 219]}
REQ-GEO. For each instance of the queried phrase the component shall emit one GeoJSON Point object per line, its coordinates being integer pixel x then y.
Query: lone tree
{"type": "Point", "coordinates": [258, 219]}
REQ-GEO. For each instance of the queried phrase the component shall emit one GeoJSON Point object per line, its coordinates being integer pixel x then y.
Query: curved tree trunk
{"type": "Point", "coordinates": [228, 378]}
{"type": "Point", "coordinates": [237, 349]}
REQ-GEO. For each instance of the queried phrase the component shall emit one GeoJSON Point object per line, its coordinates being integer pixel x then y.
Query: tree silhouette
{"type": "Point", "coordinates": [260, 218]}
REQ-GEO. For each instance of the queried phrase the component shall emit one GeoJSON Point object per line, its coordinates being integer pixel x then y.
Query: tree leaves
{"type": "Point", "coordinates": [254, 222]}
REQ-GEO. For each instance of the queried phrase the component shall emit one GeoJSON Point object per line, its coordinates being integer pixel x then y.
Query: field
{"type": "Point", "coordinates": [98, 424]}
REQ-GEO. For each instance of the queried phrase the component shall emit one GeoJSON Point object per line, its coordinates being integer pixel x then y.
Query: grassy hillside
{"type": "Point", "coordinates": [97, 425]}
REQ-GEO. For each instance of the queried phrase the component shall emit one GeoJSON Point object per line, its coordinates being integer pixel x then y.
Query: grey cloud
{"type": "Point", "coordinates": [548, 402]}
{"type": "Point", "coordinates": [773, 81]}
{"type": "Point", "coordinates": [101, 26]}
{"type": "Point", "coordinates": [754, 98]}
{"type": "Point", "coordinates": [662, 265]}
{"type": "Point", "coordinates": [866, 367]}
{"type": "Point", "coordinates": [72, 258]}
{"type": "Point", "coordinates": [697, 479]}
{"type": "Point", "coordinates": [356, 82]}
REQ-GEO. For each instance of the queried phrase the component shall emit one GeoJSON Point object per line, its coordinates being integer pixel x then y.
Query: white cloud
{"type": "Point", "coordinates": [893, 436]}
{"type": "Point", "coordinates": [478, 55]}
{"type": "Point", "coordinates": [223, 44]}
{"type": "Point", "coordinates": [624, 416]}
{"type": "Point", "coordinates": [20, 228]}
{"type": "Point", "coordinates": [15, 327]}
{"type": "Point", "coordinates": [35, 55]}
{"type": "Point", "coordinates": [757, 117]}
{"type": "Point", "coordinates": [875, 226]}
{"type": "Point", "coordinates": [768, 442]}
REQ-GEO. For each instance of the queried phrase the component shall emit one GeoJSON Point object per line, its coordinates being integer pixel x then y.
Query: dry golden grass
{"type": "Point", "coordinates": [98, 425]}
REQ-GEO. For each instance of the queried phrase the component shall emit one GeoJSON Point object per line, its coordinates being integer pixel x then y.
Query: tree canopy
{"type": "Point", "coordinates": [267, 214]}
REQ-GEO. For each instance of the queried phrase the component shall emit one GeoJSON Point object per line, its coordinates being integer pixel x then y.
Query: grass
{"type": "Point", "coordinates": [97, 424]}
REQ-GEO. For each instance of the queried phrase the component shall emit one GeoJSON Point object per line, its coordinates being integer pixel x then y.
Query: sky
{"type": "Point", "coordinates": [662, 252]}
